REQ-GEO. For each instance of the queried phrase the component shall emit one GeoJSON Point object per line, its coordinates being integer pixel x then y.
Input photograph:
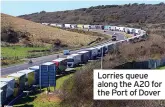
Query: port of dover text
{"type": "Point", "coordinates": [129, 84]}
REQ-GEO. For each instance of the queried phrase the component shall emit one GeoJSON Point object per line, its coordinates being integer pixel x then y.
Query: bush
{"type": "Point", "coordinates": [57, 42]}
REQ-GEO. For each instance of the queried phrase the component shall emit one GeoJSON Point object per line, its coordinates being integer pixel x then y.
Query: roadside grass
{"type": "Point", "coordinates": [11, 62]}
{"type": "Point", "coordinates": [19, 51]}
{"type": "Point", "coordinates": [13, 55]}
{"type": "Point", "coordinates": [37, 99]}
{"type": "Point", "coordinates": [127, 35]}
{"type": "Point", "coordinates": [161, 67]}
{"type": "Point", "coordinates": [59, 82]}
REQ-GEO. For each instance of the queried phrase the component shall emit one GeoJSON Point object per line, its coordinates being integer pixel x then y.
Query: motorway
{"type": "Point", "coordinates": [43, 59]}
{"type": "Point", "coordinates": [119, 35]}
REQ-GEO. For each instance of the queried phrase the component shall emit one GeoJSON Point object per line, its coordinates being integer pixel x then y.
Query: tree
{"type": "Point", "coordinates": [43, 11]}
{"type": "Point", "coordinates": [135, 4]}
{"type": "Point", "coordinates": [161, 3]}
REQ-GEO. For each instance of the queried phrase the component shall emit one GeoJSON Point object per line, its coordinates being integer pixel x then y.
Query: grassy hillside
{"type": "Point", "coordinates": [20, 31]}
{"type": "Point", "coordinates": [104, 14]}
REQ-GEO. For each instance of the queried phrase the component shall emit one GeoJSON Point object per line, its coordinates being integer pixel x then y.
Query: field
{"type": "Point", "coordinates": [37, 99]}
{"type": "Point", "coordinates": [17, 54]}
{"type": "Point", "coordinates": [20, 51]}
{"type": "Point", "coordinates": [37, 33]}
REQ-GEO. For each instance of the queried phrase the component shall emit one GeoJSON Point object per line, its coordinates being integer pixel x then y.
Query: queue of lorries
{"type": "Point", "coordinates": [44, 75]}
{"type": "Point", "coordinates": [135, 31]}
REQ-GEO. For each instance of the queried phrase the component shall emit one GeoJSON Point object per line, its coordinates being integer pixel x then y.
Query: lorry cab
{"type": "Point", "coordinates": [114, 38]}
{"type": "Point", "coordinates": [70, 62]}
{"type": "Point", "coordinates": [73, 60]}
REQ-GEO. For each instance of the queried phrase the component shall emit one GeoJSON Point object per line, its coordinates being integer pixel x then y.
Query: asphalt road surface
{"type": "Point", "coordinates": [118, 35]}
{"type": "Point", "coordinates": [40, 60]}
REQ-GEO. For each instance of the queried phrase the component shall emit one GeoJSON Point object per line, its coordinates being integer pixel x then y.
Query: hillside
{"type": "Point", "coordinates": [20, 31]}
{"type": "Point", "coordinates": [128, 13]}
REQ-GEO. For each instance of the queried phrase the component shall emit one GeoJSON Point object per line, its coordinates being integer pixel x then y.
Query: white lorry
{"type": "Point", "coordinates": [67, 25]}
{"type": "Point", "coordinates": [93, 53]}
{"type": "Point", "coordinates": [113, 28]}
{"type": "Point", "coordinates": [73, 60]}
{"type": "Point", "coordinates": [87, 26]}
{"type": "Point", "coordinates": [137, 31]}
{"type": "Point", "coordinates": [122, 29]}
{"type": "Point", "coordinates": [53, 24]}
{"type": "Point", "coordinates": [73, 26]}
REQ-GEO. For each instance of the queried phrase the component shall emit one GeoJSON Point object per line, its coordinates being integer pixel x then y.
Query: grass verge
{"type": "Point", "coordinates": [37, 99]}
{"type": "Point", "coordinates": [161, 67]}
{"type": "Point", "coordinates": [11, 62]}
{"type": "Point", "coordinates": [20, 51]}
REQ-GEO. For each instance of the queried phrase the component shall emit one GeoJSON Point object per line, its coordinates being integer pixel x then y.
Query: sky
{"type": "Point", "coordinates": [16, 8]}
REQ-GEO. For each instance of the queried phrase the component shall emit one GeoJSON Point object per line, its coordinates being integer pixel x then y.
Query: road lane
{"type": "Point", "coordinates": [120, 36]}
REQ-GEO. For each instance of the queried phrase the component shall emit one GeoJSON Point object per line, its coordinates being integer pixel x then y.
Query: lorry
{"type": "Point", "coordinates": [137, 31]}
{"type": "Point", "coordinates": [131, 30]}
{"type": "Point", "coordinates": [87, 26]}
{"type": "Point", "coordinates": [73, 26]}
{"type": "Point", "coordinates": [110, 47]}
{"type": "Point", "coordinates": [122, 29]}
{"type": "Point", "coordinates": [92, 53]}
{"type": "Point", "coordinates": [61, 65]}
{"type": "Point", "coordinates": [67, 25]}
{"type": "Point", "coordinates": [84, 56]}
{"type": "Point", "coordinates": [10, 85]}
{"type": "Point", "coordinates": [20, 79]}
{"type": "Point", "coordinates": [30, 77]}
{"type": "Point", "coordinates": [113, 28]}
{"type": "Point", "coordinates": [127, 30]}
{"type": "Point", "coordinates": [105, 49]}
{"type": "Point", "coordinates": [73, 60]}
{"type": "Point", "coordinates": [99, 50]}
{"type": "Point", "coordinates": [53, 24]}
{"type": "Point", "coordinates": [37, 73]}
{"type": "Point", "coordinates": [114, 38]}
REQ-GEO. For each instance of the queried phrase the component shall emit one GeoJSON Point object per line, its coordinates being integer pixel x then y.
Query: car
{"type": "Point", "coordinates": [66, 52]}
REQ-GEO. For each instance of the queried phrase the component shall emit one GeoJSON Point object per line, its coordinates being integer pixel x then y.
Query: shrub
{"type": "Point", "coordinates": [57, 42]}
